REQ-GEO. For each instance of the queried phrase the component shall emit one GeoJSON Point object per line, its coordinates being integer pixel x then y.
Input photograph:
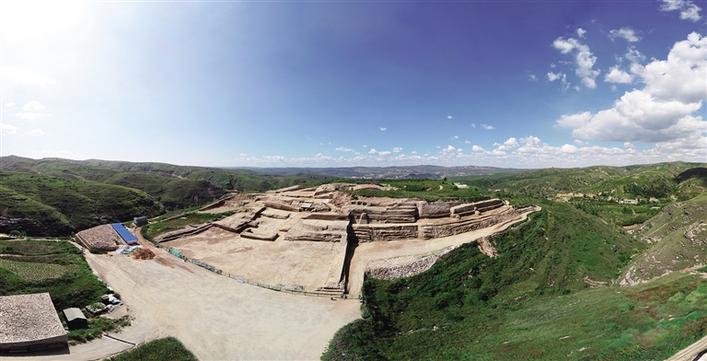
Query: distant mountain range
{"type": "Point", "coordinates": [395, 172]}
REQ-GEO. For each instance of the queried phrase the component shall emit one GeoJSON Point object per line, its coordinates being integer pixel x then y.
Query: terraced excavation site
{"type": "Point", "coordinates": [322, 241]}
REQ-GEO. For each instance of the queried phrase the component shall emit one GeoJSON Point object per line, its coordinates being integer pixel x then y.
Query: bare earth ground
{"type": "Point", "coordinates": [215, 317]}
{"type": "Point", "coordinates": [371, 251]}
{"type": "Point", "coordinates": [272, 262]}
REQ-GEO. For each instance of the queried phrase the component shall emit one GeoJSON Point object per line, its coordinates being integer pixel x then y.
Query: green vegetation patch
{"type": "Point", "coordinates": [427, 189]}
{"type": "Point", "coordinates": [619, 214]}
{"type": "Point", "coordinates": [158, 350]}
{"type": "Point", "coordinates": [97, 326]}
{"type": "Point", "coordinates": [33, 271]}
{"type": "Point", "coordinates": [152, 230]}
{"type": "Point", "coordinates": [532, 302]}
{"type": "Point", "coordinates": [29, 269]}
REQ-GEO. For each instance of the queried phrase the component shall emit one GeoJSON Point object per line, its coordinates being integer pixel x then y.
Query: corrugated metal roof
{"type": "Point", "coordinates": [124, 233]}
{"type": "Point", "coordinates": [73, 313]}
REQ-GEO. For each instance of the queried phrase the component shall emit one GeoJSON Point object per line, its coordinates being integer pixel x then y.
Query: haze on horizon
{"type": "Point", "coordinates": [509, 84]}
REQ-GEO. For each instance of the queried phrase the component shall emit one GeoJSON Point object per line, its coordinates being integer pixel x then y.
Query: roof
{"type": "Point", "coordinates": [124, 233]}
{"type": "Point", "coordinates": [103, 237]}
{"type": "Point", "coordinates": [26, 318]}
{"type": "Point", "coordinates": [73, 313]}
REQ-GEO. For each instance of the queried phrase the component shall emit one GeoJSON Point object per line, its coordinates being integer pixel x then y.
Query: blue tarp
{"type": "Point", "coordinates": [125, 234]}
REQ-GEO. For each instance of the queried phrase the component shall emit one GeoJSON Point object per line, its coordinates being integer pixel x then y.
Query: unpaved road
{"type": "Point", "coordinates": [371, 251]}
{"type": "Point", "coordinates": [691, 352]}
{"type": "Point", "coordinates": [215, 317]}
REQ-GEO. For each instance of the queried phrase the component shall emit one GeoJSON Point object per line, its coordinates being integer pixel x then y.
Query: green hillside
{"type": "Point", "coordinates": [535, 301]}
{"type": "Point", "coordinates": [49, 197]}
{"type": "Point", "coordinates": [661, 180]}
{"type": "Point", "coordinates": [158, 177]}
{"type": "Point", "coordinates": [676, 237]}
{"type": "Point", "coordinates": [44, 206]}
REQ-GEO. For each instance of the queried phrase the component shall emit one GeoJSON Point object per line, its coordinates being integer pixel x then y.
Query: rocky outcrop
{"type": "Point", "coordinates": [374, 232]}
{"type": "Point", "coordinates": [435, 209]}
{"type": "Point", "coordinates": [260, 236]}
{"type": "Point", "coordinates": [471, 208]}
{"type": "Point", "coordinates": [319, 231]}
{"type": "Point", "coordinates": [182, 232]}
{"type": "Point", "coordinates": [389, 272]}
{"type": "Point", "coordinates": [399, 213]}
{"type": "Point", "coordinates": [429, 231]}
{"type": "Point", "coordinates": [239, 221]}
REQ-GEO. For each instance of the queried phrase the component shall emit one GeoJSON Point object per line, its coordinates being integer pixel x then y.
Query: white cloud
{"type": "Point", "coordinates": [383, 129]}
{"type": "Point", "coordinates": [688, 10]}
{"type": "Point", "coordinates": [581, 32]}
{"type": "Point", "coordinates": [529, 151]}
{"type": "Point", "coordinates": [663, 111]}
{"type": "Point", "coordinates": [532, 77]}
{"type": "Point", "coordinates": [455, 137]}
{"type": "Point", "coordinates": [625, 33]}
{"type": "Point", "coordinates": [36, 133]}
{"type": "Point", "coordinates": [568, 148]}
{"type": "Point", "coordinates": [584, 59]}
{"type": "Point", "coordinates": [344, 149]}
{"type": "Point", "coordinates": [450, 117]}
{"type": "Point", "coordinates": [573, 120]}
{"type": "Point", "coordinates": [487, 127]}
{"type": "Point", "coordinates": [634, 56]}
{"type": "Point", "coordinates": [560, 77]}
{"type": "Point", "coordinates": [397, 149]}
{"type": "Point", "coordinates": [7, 128]}
{"type": "Point", "coordinates": [33, 110]}
{"type": "Point", "coordinates": [618, 76]}
{"type": "Point", "coordinates": [682, 76]}
{"type": "Point", "coordinates": [467, 141]}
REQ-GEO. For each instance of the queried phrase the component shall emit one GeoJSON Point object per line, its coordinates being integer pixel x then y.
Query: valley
{"type": "Point", "coordinates": [495, 266]}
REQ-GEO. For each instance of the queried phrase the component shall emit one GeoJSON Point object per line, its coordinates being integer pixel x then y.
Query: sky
{"type": "Point", "coordinates": [523, 84]}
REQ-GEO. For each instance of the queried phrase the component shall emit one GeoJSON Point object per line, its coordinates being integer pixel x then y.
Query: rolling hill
{"type": "Point", "coordinates": [549, 295]}
{"type": "Point", "coordinates": [52, 197]}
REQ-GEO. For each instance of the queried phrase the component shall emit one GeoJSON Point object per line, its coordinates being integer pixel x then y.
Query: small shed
{"type": "Point", "coordinates": [75, 318]}
{"type": "Point", "coordinates": [140, 221]}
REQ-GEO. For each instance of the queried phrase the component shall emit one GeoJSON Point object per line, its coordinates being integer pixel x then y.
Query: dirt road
{"type": "Point", "coordinates": [215, 317]}
{"type": "Point", "coordinates": [368, 252]}
{"type": "Point", "coordinates": [691, 352]}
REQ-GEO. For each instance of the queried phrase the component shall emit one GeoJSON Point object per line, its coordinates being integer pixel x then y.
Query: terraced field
{"type": "Point", "coordinates": [57, 267]}
{"type": "Point", "coordinates": [34, 271]}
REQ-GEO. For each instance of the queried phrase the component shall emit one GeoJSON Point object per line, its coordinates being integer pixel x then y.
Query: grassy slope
{"type": "Point", "coordinates": [430, 190]}
{"type": "Point", "coordinates": [654, 180]}
{"type": "Point", "coordinates": [524, 303]}
{"type": "Point", "coordinates": [77, 287]}
{"type": "Point", "coordinates": [68, 204]}
{"type": "Point", "coordinates": [154, 229]}
{"type": "Point", "coordinates": [669, 248]}
{"type": "Point", "coordinates": [57, 196]}
{"type": "Point", "coordinates": [158, 350]}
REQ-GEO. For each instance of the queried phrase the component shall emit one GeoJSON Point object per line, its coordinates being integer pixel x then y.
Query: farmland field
{"type": "Point", "coordinates": [33, 271]}
{"type": "Point", "coordinates": [57, 267]}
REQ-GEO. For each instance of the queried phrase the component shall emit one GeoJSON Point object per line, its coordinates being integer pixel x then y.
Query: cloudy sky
{"type": "Point", "coordinates": [522, 84]}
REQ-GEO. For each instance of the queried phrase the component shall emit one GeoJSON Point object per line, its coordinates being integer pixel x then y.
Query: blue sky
{"type": "Point", "coordinates": [510, 83]}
